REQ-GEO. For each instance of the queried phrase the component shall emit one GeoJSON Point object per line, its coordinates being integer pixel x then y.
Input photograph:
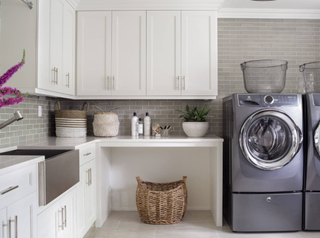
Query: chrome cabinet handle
{"type": "Point", "coordinates": [87, 154]}
{"type": "Point", "coordinates": [65, 216]}
{"type": "Point", "coordinates": [15, 227]}
{"type": "Point", "coordinates": [62, 227]}
{"type": "Point", "coordinates": [107, 83]}
{"type": "Point", "coordinates": [113, 82]}
{"type": "Point", "coordinates": [57, 76]}
{"type": "Point", "coordinates": [184, 82]}
{"type": "Point", "coordinates": [3, 227]}
{"type": "Point", "coordinates": [88, 179]}
{"type": "Point", "coordinates": [54, 75]}
{"type": "Point", "coordinates": [8, 189]}
{"type": "Point", "coordinates": [68, 75]}
{"type": "Point", "coordinates": [178, 85]}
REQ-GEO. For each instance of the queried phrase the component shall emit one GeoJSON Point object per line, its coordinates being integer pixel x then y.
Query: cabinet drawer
{"type": "Point", "coordinates": [87, 153]}
{"type": "Point", "coordinates": [267, 212]}
{"type": "Point", "coordinates": [20, 182]}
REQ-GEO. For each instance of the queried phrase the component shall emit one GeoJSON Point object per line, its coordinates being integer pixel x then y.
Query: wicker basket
{"type": "Point", "coordinates": [162, 203]}
{"type": "Point", "coordinates": [71, 123]}
{"type": "Point", "coordinates": [105, 123]}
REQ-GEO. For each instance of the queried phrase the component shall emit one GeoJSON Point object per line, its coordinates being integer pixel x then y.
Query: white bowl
{"type": "Point", "coordinates": [195, 129]}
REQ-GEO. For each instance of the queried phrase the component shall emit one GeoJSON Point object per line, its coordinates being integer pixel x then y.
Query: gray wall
{"type": "Point", "coordinates": [31, 127]}
{"type": "Point", "coordinates": [239, 40]}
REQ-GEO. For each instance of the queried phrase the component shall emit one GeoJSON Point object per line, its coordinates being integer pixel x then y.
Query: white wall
{"type": "Point", "coordinates": [159, 165]}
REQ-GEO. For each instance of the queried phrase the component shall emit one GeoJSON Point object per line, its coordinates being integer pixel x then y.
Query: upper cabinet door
{"type": "Point", "coordinates": [199, 53]}
{"type": "Point", "coordinates": [94, 53]}
{"type": "Point", "coordinates": [163, 53]}
{"type": "Point", "coordinates": [128, 53]}
{"type": "Point", "coordinates": [68, 50]}
{"type": "Point", "coordinates": [56, 42]}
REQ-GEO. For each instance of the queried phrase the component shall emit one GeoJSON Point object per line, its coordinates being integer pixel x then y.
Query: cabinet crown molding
{"type": "Point", "coordinates": [269, 13]}
{"type": "Point", "coordinates": [149, 5]}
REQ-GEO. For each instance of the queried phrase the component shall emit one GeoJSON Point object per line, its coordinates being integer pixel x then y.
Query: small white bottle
{"type": "Point", "coordinates": [140, 127]}
{"type": "Point", "coordinates": [134, 122]}
{"type": "Point", "coordinates": [147, 124]}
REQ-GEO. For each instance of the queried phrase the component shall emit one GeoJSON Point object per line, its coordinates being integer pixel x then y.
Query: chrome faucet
{"type": "Point", "coordinates": [17, 117]}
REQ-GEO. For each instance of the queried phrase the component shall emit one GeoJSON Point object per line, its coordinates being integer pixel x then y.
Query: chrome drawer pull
{"type": "Point", "coordinates": [87, 154]}
{"type": "Point", "coordinates": [8, 189]}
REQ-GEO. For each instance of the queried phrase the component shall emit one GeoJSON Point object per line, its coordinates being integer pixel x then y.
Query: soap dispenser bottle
{"type": "Point", "coordinates": [147, 124]}
{"type": "Point", "coordinates": [134, 125]}
{"type": "Point", "coordinates": [140, 127]}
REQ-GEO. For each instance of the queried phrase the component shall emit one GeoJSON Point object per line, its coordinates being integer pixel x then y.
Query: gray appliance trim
{"type": "Point", "coordinates": [296, 142]}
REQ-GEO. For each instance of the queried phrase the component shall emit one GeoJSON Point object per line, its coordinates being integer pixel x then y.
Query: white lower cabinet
{"type": "Point", "coordinates": [86, 209]}
{"type": "Point", "coordinates": [18, 219]}
{"type": "Point", "coordinates": [58, 220]}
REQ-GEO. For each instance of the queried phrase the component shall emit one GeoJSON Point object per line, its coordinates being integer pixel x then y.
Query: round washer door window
{"type": "Point", "coordinates": [269, 139]}
{"type": "Point", "coordinates": [317, 138]}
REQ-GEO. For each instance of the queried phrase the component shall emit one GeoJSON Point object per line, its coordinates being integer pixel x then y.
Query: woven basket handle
{"type": "Point", "coordinates": [138, 179]}
{"type": "Point", "coordinates": [84, 104]}
{"type": "Point", "coordinates": [55, 106]}
{"type": "Point", "coordinates": [94, 108]}
{"type": "Point", "coordinates": [184, 178]}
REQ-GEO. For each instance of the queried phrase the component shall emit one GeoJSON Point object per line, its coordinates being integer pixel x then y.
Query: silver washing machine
{"type": "Point", "coordinates": [312, 159]}
{"type": "Point", "coordinates": [263, 162]}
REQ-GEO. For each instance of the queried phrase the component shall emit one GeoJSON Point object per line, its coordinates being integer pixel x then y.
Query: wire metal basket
{"type": "Point", "coordinates": [264, 76]}
{"type": "Point", "coordinates": [311, 76]}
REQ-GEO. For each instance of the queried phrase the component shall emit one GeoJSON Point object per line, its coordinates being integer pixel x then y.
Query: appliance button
{"type": "Point", "coordinates": [268, 99]}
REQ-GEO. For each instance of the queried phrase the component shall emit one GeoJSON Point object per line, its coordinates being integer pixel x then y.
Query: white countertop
{"type": "Point", "coordinates": [10, 160]}
{"type": "Point", "coordinates": [118, 141]}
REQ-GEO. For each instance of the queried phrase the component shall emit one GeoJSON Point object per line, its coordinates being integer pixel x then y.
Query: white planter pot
{"type": "Point", "coordinates": [195, 129]}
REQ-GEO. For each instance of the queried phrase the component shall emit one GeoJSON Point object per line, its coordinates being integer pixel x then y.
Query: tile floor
{"type": "Point", "coordinates": [196, 224]}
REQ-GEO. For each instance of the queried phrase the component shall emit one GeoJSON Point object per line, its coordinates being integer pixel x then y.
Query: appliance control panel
{"type": "Point", "coordinates": [268, 100]}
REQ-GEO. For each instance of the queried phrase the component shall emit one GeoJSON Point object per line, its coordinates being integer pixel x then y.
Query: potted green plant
{"type": "Point", "coordinates": [194, 120]}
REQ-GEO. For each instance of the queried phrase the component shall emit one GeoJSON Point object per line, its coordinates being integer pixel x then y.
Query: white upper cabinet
{"type": "Point", "coordinates": [182, 53]}
{"type": "Point", "coordinates": [111, 54]}
{"type": "Point", "coordinates": [163, 53]}
{"type": "Point", "coordinates": [94, 53]}
{"type": "Point", "coordinates": [128, 53]}
{"type": "Point", "coordinates": [199, 53]}
{"type": "Point", "coordinates": [56, 43]}
{"type": "Point", "coordinates": [47, 33]}
{"type": "Point", "coordinates": [147, 55]}
{"type": "Point", "coordinates": [69, 30]}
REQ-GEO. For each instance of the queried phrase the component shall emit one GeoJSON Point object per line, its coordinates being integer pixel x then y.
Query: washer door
{"type": "Point", "coordinates": [269, 139]}
{"type": "Point", "coordinates": [317, 138]}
